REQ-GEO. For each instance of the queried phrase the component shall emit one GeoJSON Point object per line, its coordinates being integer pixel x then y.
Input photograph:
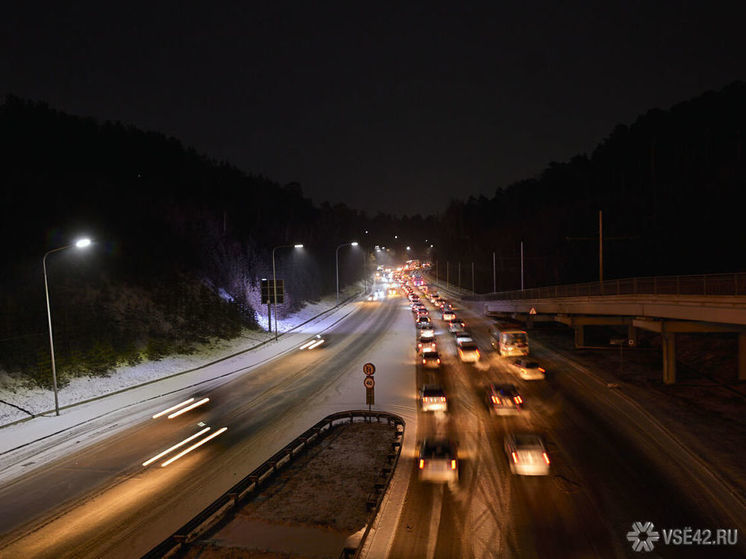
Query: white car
{"type": "Point", "coordinates": [468, 353]}
{"type": "Point", "coordinates": [528, 369]}
{"type": "Point", "coordinates": [427, 332]}
{"type": "Point", "coordinates": [430, 359]}
{"type": "Point", "coordinates": [438, 461]}
{"type": "Point", "coordinates": [527, 454]}
{"type": "Point", "coordinates": [432, 398]}
{"type": "Point", "coordinates": [463, 338]}
{"type": "Point", "coordinates": [449, 315]}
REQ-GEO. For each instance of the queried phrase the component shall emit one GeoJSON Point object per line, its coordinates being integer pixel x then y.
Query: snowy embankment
{"type": "Point", "coordinates": [19, 400]}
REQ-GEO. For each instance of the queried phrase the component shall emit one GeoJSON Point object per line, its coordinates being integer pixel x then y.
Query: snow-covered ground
{"type": "Point", "coordinates": [86, 395]}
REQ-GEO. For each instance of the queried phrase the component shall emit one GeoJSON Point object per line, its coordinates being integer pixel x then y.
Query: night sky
{"type": "Point", "coordinates": [382, 106]}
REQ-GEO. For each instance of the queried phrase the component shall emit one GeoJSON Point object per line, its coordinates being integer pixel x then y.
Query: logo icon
{"type": "Point", "coordinates": [643, 536]}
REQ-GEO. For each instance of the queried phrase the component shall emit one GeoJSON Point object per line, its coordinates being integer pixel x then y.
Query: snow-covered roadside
{"type": "Point", "coordinates": [38, 401]}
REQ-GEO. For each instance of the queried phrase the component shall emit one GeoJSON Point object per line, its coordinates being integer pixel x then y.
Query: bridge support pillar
{"type": "Point", "coordinates": [579, 336]}
{"type": "Point", "coordinates": [668, 342]}
{"type": "Point", "coordinates": [741, 356]}
{"type": "Point", "coordinates": [632, 334]}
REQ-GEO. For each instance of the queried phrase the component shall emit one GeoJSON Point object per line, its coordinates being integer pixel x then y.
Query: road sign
{"type": "Point", "coordinates": [268, 291]}
{"type": "Point", "coordinates": [369, 382]}
{"type": "Point", "coordinates": [370, 399]}
{"type": "Point", "coordinates": [369, 369]}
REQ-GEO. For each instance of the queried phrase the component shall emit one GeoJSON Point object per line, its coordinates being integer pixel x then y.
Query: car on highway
{"type": "Point", "coordinates": [423, 321]}
{"type": "Point", "coordinates": [438, 461]}
{"type": "Point", "coordinates": [422, 312]}
{"type": "Point", "coordinates": [430, 359]}
{"type": "Point", "coordinates": [432, 398]}
{"type": "Point", "coordinates": [448, 315]}
{"type": "Point", "coordinates": [527, 454]}
{"type": "Point", "coordinates": [527, 368]}
{"type": "Point", "coordinates": [503, 399]}
{"type": "Point", "coordinates": [456, 326]}
{"type": "Point", "coordinates": [414, 297]}
{"type": "Point", "coordinates": [468, 352]}
{"type": "Point", "coordinates": [427, 332]}
{"type": "Point", "coordinates": [426, 344]}
{"type": "Point", "coordinates": [463, 338]}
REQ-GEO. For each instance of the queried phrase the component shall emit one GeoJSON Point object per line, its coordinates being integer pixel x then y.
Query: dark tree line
{"type": "Point", "coordinates": [183, 240]}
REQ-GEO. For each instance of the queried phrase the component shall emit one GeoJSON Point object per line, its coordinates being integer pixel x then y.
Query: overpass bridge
{"type": "Point", "coordinates": [667, 305]}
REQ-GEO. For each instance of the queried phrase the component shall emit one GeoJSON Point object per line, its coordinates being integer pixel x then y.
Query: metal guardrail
{"type": "Point", "coordinates": [733, 284]}
{"type": "Point", "coordinates": [230, 501]}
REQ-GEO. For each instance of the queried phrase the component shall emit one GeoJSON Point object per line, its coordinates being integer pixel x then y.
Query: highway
{"type": "Point", "coordinates": [101, 502]}
{"type": "Point", "coordinates": [605, 472]}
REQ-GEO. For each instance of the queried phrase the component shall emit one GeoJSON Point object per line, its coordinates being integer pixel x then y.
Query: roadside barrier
{"type": "Point", "coordinates": [221, 510]}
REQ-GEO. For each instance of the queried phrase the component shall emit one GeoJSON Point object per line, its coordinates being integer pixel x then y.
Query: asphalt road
{"type": "Point", "coordinates": [606, 472]}
{"type": "Point", "coordinates": [101, 502]}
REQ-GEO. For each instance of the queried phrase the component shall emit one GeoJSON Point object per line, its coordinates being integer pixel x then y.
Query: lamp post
{"type": "Point", "coordinates": [336, 259]}
{"type": "Point", "coordinates": [274, 281]}
{"type": "Point", "coordinates": [82, 243]}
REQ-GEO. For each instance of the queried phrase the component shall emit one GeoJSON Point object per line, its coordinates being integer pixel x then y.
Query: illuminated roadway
{"type": "Point", "coordinates": [605, 473]}
{"type": "Point", "coordinates": [100, 502]}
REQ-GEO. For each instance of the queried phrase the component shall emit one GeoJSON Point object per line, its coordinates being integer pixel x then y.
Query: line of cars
{"type": "Point", "coordinates": [525, 452]}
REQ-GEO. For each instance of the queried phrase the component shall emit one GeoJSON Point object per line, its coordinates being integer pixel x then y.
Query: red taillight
{"type": "Point", "coordinates": [453, 464]}
{"type": "Point", "coordinates": [477, 352]}
{"type": "Point", "coordinates": [518, 400]}
{"type": "Point", "coordinates": [422, 463]}
{"type": "Point", "coordinates": [494, 400]}
{"type": "Point", "coordinates": [442, 398]}
{"type": "Point", "coordinates": [541, 370]}
{"type": "Point", "coordinates": [515, 457]}
{"type": "Point", "coordinates": [423, 361]}
{"type": "Point", "coordinates": [438, 361]}
{"type": "Point", "coordinates": [546, 458]}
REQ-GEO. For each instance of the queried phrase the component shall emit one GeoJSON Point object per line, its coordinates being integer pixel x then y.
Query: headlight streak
{"type": "Point", "coordinates": [188, 408]}
{"type": "Point", "coordinates": [305, 345]}
{"type": "Point", "coordinates": [178, 445]}
{"type": "Point", "coordinates": [316, 344]}
{"type": "Point", "coordinates": [172, 408]}
{"type": "Point", "coordinates": [196, 445]}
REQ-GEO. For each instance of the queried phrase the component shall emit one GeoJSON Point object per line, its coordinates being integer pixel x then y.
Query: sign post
{"type": "Point", "coordinates": [369, 369]}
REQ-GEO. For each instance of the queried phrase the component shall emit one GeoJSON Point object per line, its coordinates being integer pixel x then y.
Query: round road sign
{"type": "Point", "coordinates": [369, 369]}
{"type": "Point", "coordinates": [369, 382]}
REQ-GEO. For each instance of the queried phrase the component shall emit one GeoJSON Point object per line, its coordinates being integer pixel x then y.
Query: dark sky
{"type": "Point", "coordinates": [394, 107]}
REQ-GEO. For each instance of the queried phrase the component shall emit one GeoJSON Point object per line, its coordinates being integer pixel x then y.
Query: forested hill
{"type": "Point", "coordinates": [173, 229]}
{"type": "Point", "coordinates": [670, 185]}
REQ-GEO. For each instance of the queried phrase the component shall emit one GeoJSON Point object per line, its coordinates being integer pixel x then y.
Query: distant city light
{"type": "Point", "coordinates": [298, 246]}
{"type": "Point", "coordinates": [354, 243]}
{"type": "Point", "coordinates": [82, 243]}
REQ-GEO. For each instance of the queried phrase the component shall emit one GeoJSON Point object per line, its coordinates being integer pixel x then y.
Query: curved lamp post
{"type": "Point", "coordinates": [274, 283]}
{"type": "Point", "coordinates": [82, 243]}
{"type": "Point", "coordinates": [336, 258]}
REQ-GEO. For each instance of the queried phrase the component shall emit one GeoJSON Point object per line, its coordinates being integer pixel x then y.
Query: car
{"type": "Point", "coordinates": [426, 344]}
{"type": "Point", "coordinates": [456, 326]}
{"type": "Point", "coordinates": [427, 332]}
{"type": "Point", "coordinates": [468, 352]}
{"type": "Point", "coordinates": [527, 454]}
{"type": "Point", "coordinates": [435, 299]}
{"type": "Point", "coordinates": [416, 306]}
{"type": "Point", "coordinates": [432, 398]}
{"type": "Point", "coordinates": [422, 312]}
{"type": "Point", "coordinates": [430, 359]}
{"type": "Point", "coordinates": [448, 315]}
{"type": "Point", "coordinates": [503, 399]}
{"type": "Point", "coordinates": [423, 321]}
{"type": "Point", "coordinates": [414, 297]}
{"type": "Point", "coordinates": [528, 369]}
{"type": "Point", "coordinates": [463, 338]}
{"type": "Point", "coordinates": [438, 461]}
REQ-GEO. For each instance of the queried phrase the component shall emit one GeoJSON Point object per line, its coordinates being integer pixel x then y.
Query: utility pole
{"type": "Point", "coordinates": [494, 274]}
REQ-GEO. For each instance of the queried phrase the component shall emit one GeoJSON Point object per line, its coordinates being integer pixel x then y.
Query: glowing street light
{"type": "Point", "coordinates": [274, 285]}
{"type": "Point", "coordinates": [336, 258]}
{"type": "Point", "coordinates": [81, 243]}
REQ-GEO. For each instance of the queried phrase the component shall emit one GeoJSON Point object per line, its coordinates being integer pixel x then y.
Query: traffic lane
{"type": "Point", "coordinates": [628, 486]}
{"type": "Point", "coordinates": [174, 496]}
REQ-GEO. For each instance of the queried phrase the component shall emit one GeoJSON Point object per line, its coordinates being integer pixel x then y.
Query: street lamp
{"type": "Point", "coordinates": [336, 258]}
{"type": "Point", "coordinates": [274, 284]}
{"type": "Point", "coordinates": [81, 243]}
